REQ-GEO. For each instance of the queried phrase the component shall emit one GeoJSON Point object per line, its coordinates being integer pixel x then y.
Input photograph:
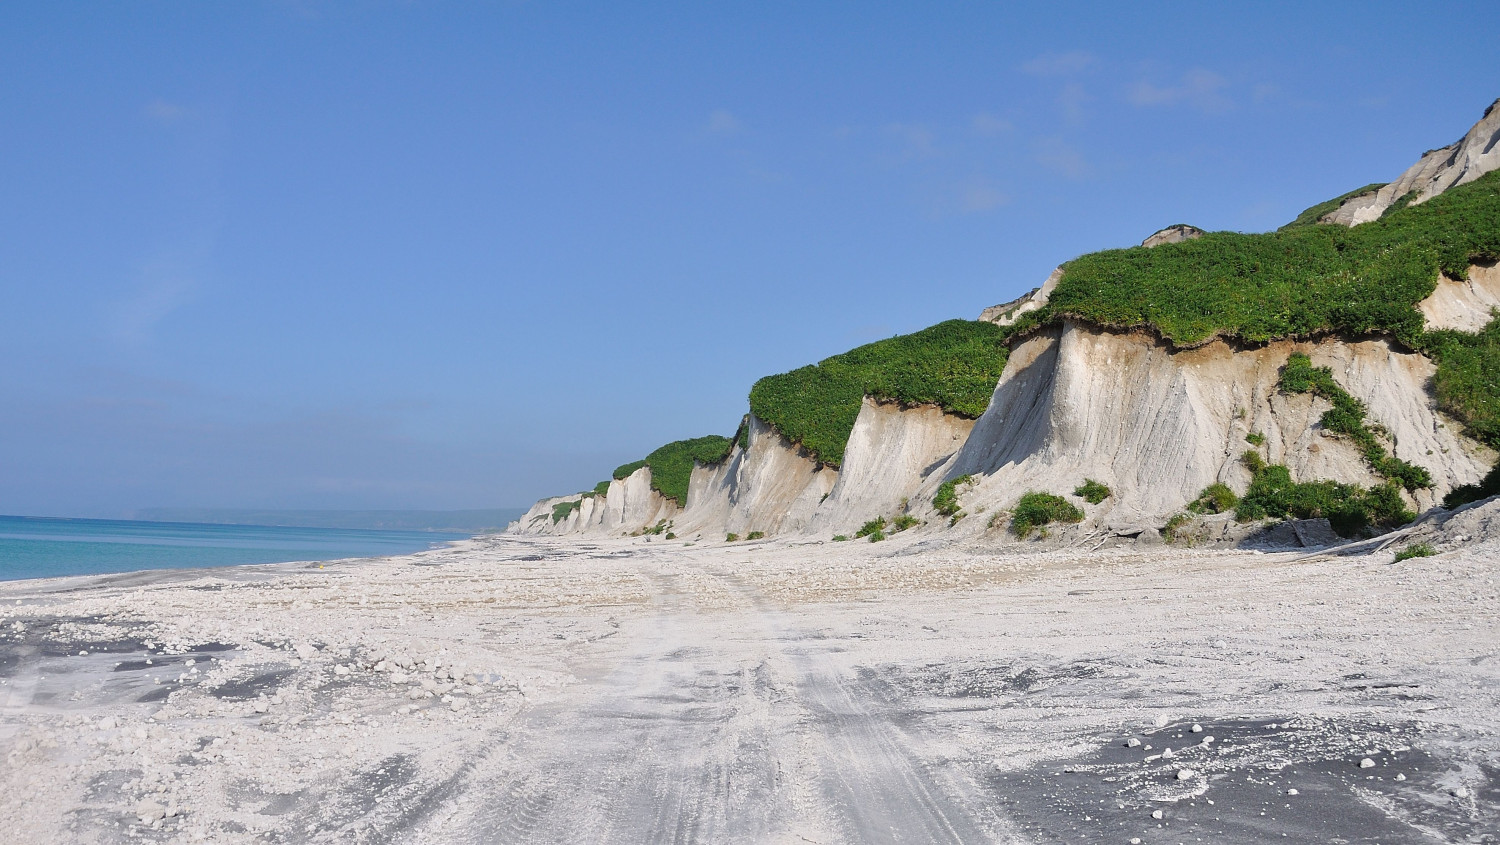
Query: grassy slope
{"type": "Point", "coordinates": [953, 365]}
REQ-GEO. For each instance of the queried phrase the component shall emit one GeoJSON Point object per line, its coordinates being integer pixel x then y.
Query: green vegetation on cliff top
{"type": "Point", "coordinates": [672, 464]}
{"type": "Point", "coordinates": [1298, 282]}
{"type": "Point", "coordinates": [953, 365]}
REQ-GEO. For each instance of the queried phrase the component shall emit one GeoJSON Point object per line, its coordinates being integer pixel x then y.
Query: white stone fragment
{"type": "Point", "coordinates": [149, 811]}
{"type": "Point", "coordinates": [1400, 777]}
{"type": "Point", "coordinates": [1132, 742]}
{"type": "Point", "coordinates": [1197, 728]}
{"type": "Point", "coordinates": [305, 651]}
{"type": "Point", "coordinates": [1185, 774]}
{"type": "Point", "coordinates": [1291, 792]}
{"type": "Point", "coordinates": [1156, 814]}
{"type": "Point", "coordinates": [1367, 763]}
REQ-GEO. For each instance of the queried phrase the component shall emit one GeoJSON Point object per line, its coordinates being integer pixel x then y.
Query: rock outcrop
{"type": "Point", "coordinates": [1467, 305]}
{"type": "Point", "coordinates": [629, 505]}
{"type": "Point", "coordinates": [1007, 313]}
{"type": "Point", "coordinates": [1175, 234]}
{"type": "Point", "coordinates": [1472, 156]}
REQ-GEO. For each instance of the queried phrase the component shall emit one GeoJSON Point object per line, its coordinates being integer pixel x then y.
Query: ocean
{"type": "Point", "coordinates": [38, 547]}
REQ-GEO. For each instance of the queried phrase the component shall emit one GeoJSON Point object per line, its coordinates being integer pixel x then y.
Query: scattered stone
{"type": "Point", "coordinates": [1163, 720]}
{"type": "Point", "coordinates": [1291, 792]}
{"type": "Point", "coordinates": [1460, 792]}
{"type": "Point", "coordinates": [1185, 774]}
{"type": "Point", "coordinates": [1156, 814]}
{"type": "Point", "coordinates": [1197, 728]}
{"type": "Point", "coordinates": [341, 670]}
{"type": "Point", "coordinates": [1132, 742]}
{"type": "Point", "coordinates": [1367, 763]}
{"type": "Point", "coordinates": [1167, 752]}
{"type": "Point", "coordinates": [306, 651]}
{"type": "Point", "coordinates": [1400, 777]}
{"type": "Point", "coordinates": [149, 811]}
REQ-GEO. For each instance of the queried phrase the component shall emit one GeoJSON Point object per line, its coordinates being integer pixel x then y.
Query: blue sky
{"type": "Point", "coordinates": [446, 255]}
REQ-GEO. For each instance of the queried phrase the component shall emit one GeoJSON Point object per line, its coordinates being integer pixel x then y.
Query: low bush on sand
{"type": "Point", "coordinates": [1035, 510]}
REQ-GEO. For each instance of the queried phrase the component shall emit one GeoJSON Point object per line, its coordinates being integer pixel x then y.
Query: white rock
{"type": "Point", "coordinates": [1400, 777]}
{"type": "Point", "coordinates": [1156, 814]}
{"type": "Point", "coordinates": [399, 677]}
{"type": "Point", "coordinates": [149, 811]}
{"type": "Point", "coordinates": [1132, 742]}
{"type": "Point", "coordinates": [262, 707]}
{"type": "Point", "coordinates": [1135, 840]}
{"type": "Point", "coordinates": [1166, 752]}
{"type": "Point", "coordinates": [1208, 739]}
{"type": "Point", "coordinates": [1220, 644]}
{"type": "Point", "coordinates": [1460, 792]}
{"type": "Point", "coordinates": [1162, 720]}
{"type": "Point", "coordinates": [108, 723]}
{"type": "Point", "coordinates": [341, 670]}
{"type": "Point", "coordinates": [1367, 763]}
{"type": "Point", "coordinates": [1291, 792]}
{"type": "Point", "coordinates": [306, 651]}
{"type": "Point", "coordinates": [1197, 728]}
{"type": "Point", "coordinates": [1185, 774]}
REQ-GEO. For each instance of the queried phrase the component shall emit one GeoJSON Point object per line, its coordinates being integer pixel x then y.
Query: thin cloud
{"type": "Point", "coordinates": [1202, 89]}
{"type": "Point", "coordinates": [722, 122]}
{"type": "Point", "coordinates": [163, 111]}
{"type": "Point", "coordinates": [989, 126]}
{"type": "Point", "coordinates": [916, 141]}
{"type": "Point", "coordinates": [1059, 64]}
{"type": "Point", "coordinates": [1074, 100]}
{"type": "Point", "coordinates": [1055, 154]}
{"type": "Point", "coordinates": [167, 286]}
{"type": "Point", "coordinates": [979, 195]}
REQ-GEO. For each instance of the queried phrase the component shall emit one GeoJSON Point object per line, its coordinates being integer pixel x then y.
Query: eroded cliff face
{"type": "Point", "coordinates": [1157, 425]}
{"type": "Point", "coordinates": [771, 486]}
{"type": "Point", "coordinates": [629, 505]}
{"type": "Point", "coordinates": [1472, 156]}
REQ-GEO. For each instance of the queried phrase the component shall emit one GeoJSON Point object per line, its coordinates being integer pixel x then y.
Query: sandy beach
{"type": "Point", "coordinates": [625, 691]}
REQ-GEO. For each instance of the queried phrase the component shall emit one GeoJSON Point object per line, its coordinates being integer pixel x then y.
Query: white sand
{"type": "Point", "coordinates": [633, 691]}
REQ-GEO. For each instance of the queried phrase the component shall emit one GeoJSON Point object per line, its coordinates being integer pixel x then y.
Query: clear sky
{"type": "Point", "coordinates": [453, 255]}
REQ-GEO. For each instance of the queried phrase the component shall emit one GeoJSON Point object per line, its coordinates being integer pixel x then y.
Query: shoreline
{"type": "Point", "coordinates": [534, 689]}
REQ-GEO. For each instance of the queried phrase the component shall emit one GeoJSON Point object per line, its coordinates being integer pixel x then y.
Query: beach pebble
{"type": "Point", "coordinates": [341, 670]}
{"type": "Point", "coordinates": [262, 706]}
{"type": "Point", "coordinates": [1460, 792]}
{"type": "Point", "coordinates": [306, 651]}
{"type": "Point", "coordinates": [1135, 840]}
{"type": "Point", "coordinates": [1220, 644]}
{"type": "Point", "coordinates": [399, 677]}
{"type": "Point", "coordinates": [149, 811]}
{"type": "Point", "coordinates": [1156, 814]}
{"type": "Point", "coordinates": [1166, 752]}
{"type": "Point", "coordinates": [1400, 777]}
{"type": "Point", "coordinates": [1208, 739]}
{"type": "Point", "coordinates": [1291, 792]}
{"type": "Point", "coordinates": [1185, 774]}
{"type": "Point", "coordinates": [1367, 763]}
{"type": "Point", "coordinates": [108, 723]}
{"type": "Point", "coordinates": [1162, 720]}
{"type": "Point", "coordinates": [1197, 728]}
{"type": "Point", "coordinates": [1132, 742]}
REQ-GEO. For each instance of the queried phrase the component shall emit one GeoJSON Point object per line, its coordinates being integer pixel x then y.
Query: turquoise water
{"type": "Point", "coordinates": [37, 547]}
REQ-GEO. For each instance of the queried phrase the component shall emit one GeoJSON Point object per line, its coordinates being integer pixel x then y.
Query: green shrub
{"type": "Point", "coordinates": [945, 501]}
{"type": "Point", "coordinates": [671, 536]}
{"type": "Point", "coordinates": [1255, 438]}
{"type": "Point", "coordinates": [1296, 283]}
{"type": "Point", "coordinates": [904, 521]}
{"type": "Point", "coordinates": [1172, 531]}
{"type": "Point", "coordinates": [1215, 498]}
{"type": "Point", "coordinates": [1467, 381]}
{"type": "Point", "coordinates": [873, 526]}
{"type": "Point", "coordinates": [731, 538]}
{"type": "Point", "coordinates": [1253, 461]}
{"type": "Point", "coordinates": [1347, 507]}
{"type": "Point", "coordinates": [839, 538]}
{"type": "Point", "coordinates": [561, 510]}
{"type": "Point", "coordinates": [876, 536]}
{"type": "Point", "coordinates": [602, 487]}
{"type": "Point", "coordinates": [1415, 550]}
{"type": "Point", "coordinates": [1462, 495]}
{"type": "Point", "coordinates": [953, 520]}
{"type": "Point", "coordinates": [659, 528]}
{"type": "Point", "coordinates": [1347, 417]}
{"type": "Point", "coordinates": [1037, 509]}
{"type": "Point", "coordinates": [1092, 491]}
{"type": "Point", "coordinates": [755, 535]}
{"type": "Point", "coordinates": [953, 365]}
